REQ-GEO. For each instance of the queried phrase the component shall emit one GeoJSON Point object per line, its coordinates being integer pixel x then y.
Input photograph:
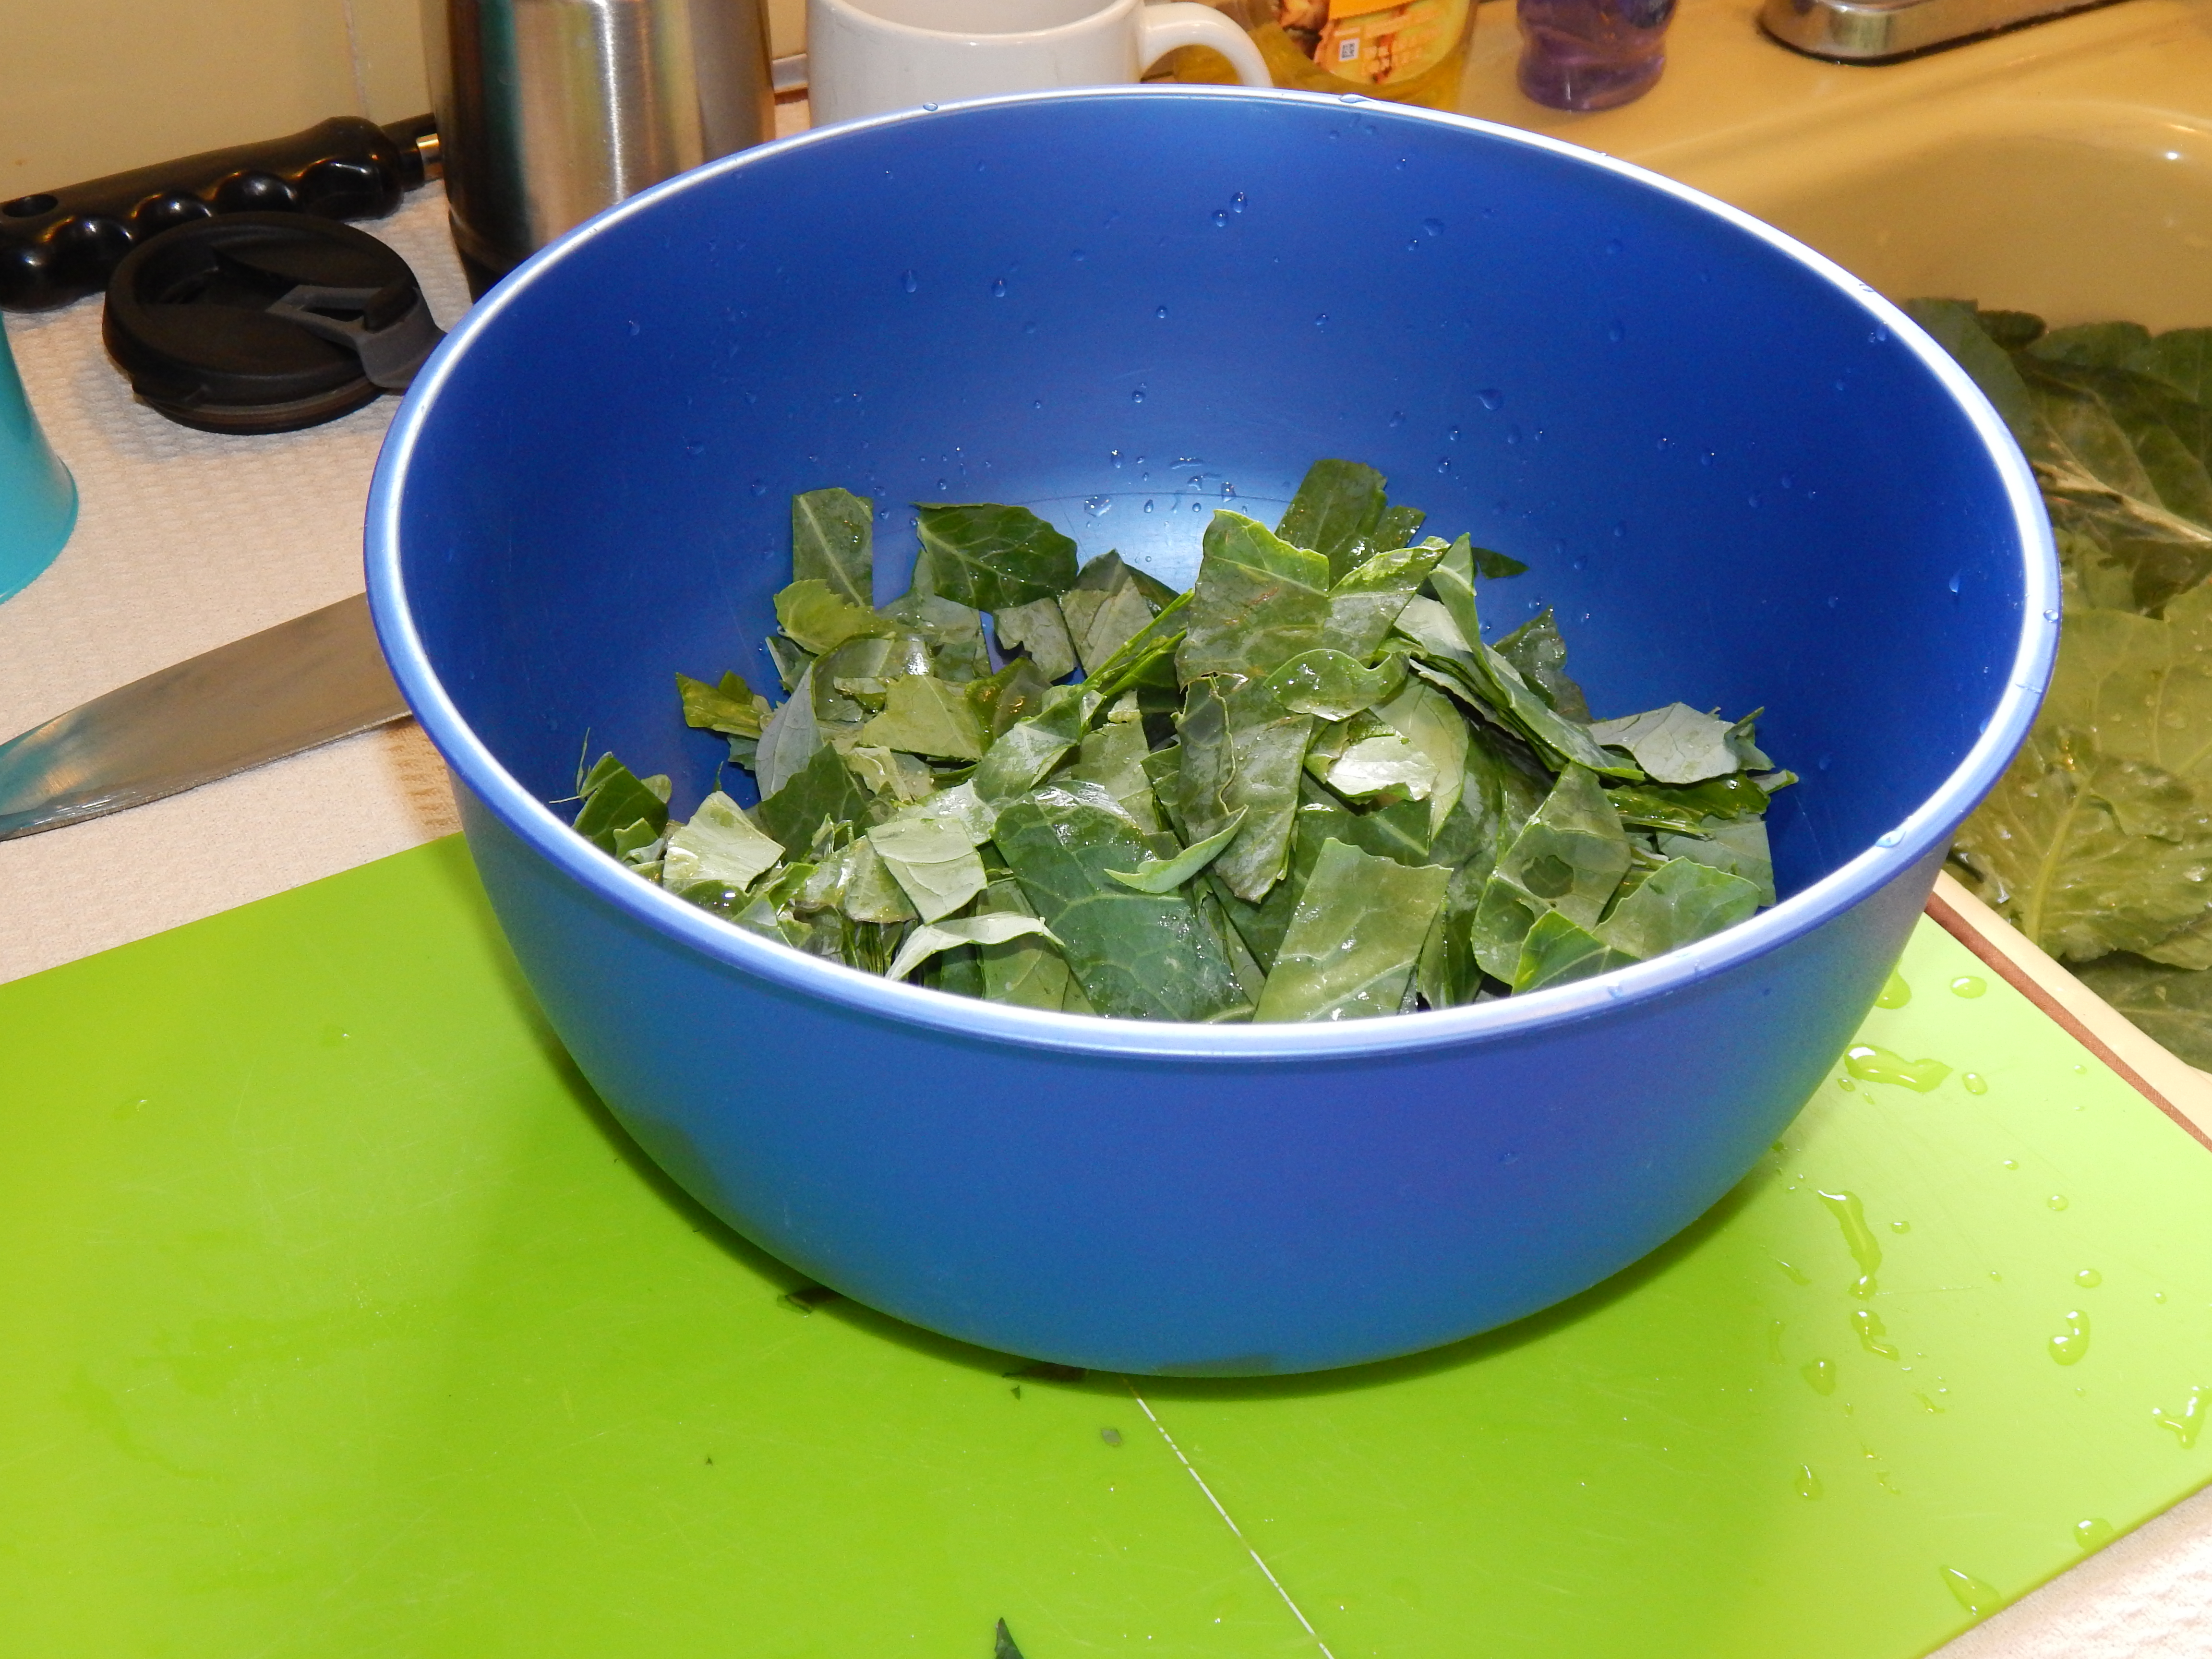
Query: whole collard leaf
{"type": "Point", "coordinates": [1570, 857]}
{"type": "Point", "coordinates": [1338, 508]}
{"type": "Point", "coordinates": [990, 557]}
{"type": "Point", "coordinates": [1352, 942]}
{"type": "Point", "coordinates": [832, 542]}
{"type": "Point", "coordinates": [1136, 956]}
{"type": "Point", "coordinates": [2172, 1006]}
{"type": "Point", "coordinates": [2087, 854]}
{"type": "Point", "coordinates": [1258, 601]}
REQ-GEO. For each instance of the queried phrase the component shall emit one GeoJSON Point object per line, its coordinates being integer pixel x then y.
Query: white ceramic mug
{"type": "Point", "coordinates": [870, 57]}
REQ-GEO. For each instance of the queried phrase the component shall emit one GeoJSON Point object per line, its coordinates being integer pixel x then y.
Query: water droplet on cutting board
{"type": "Point", "coordinates": [1970, 1592]}
{"type": "Point", "coordinates": [1809, 1484]}
{"type": "Point", "coordinates": [2092, 1533]}
{"type": "Point", "coordinates": [1868, 1323]}
{"type": "Point", "coordinates": [2088, 1279]}
{"type": "Point", "coordinates": [1858, 1237]}
{"type": "Point", "coordinates": [1973, 1083]}
{"type": "Point", "coordinates": [1820, 1376]}
{"type": "Point", "coordinates": [2056, 1201]}
{"type": "Point", "coordinates": [2071, 1345]}
{"type": "Point", "coordinates": [1871, 1064]}
{"type": "Point", "coordinates": [1895, 992]}
{"type": "Point", "coordinates": [2191, 1420]}
{"type": "Point", "coordinates": [1969, 985]}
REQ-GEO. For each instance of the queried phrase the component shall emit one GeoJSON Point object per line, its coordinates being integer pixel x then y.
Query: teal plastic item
{"type": "Point", "coordinates": [1093, 303]}
{"type": "Point", "coordinates": [38, 497]}
{"type": "Point", "coordinates": [340, 1319]}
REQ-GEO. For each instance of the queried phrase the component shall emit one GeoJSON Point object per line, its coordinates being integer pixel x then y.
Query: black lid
{"type": "Point", "coordinates": [265, 322]}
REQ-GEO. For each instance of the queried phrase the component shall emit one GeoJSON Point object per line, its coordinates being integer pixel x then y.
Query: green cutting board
{"type": "Point", "coordinates": [338, 1319]}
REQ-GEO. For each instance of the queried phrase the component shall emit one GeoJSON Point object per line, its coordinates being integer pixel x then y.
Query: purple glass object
{"type": "Point", "coordinates": [1592, 54]}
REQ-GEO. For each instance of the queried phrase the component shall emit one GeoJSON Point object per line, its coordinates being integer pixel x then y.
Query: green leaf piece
{"type": "Point", "coordinates": [1493, 566]}
{"type": "Point", "coordinates": [926, 941]}
{"type": "Point", "coordinates": [1258, 601]}
{"type": "Point", "coordinates": [790, 739]}
{"type": "Point", "coordinates": [1014, 693]}
{"type": "Point", "coordinates": [1024, 971]}
{"type": "Point", "coordinates": [832, 542]}
{"type": "Point", "coordinates": [925, 715]}
{"type": "Point", "coordinates": [991, 558]}
{"type": "Point", "coordinates": [1039, 628]}
{"type": "Point", "coordinates": [822, 620]}
{"type": "Point", "coordinates": [1680, 903]}
{"type": "Point", "coordinates": [1269, 745]}
{"type": "Point", "coordinates": [1675, 743]}
{"type": "Point", "coordinates": [1337, 508]}
{"type": "Point", "coordinates": [614, 798]}
{"type": "Point", "coordinates": [719, 846]}
{"type": "Point", "coordinates": [1367, 601]}
{"type": "Point", "coordinates": [1149, 657]}
{"type": "Point", "coordinates": [953, 631]}
{"type": "Point", "coordinates": [1106, 609]}
{"type": "Point", "coordinates": [1136, 956]}
{"type": "Point", "coordinates": [1954, 325]}
{"type": "Point", "coordinates": [823, 788]}
{"type": "Point", "coordinates": [1568, 858]}
{"type": "Point", "coordinates": [1114, 757]}
{"type": "Point", "coordinates": [1425, 718]}
{"type": "Point", "coordinates": [730, 708]}
{"type": "Point", "coordinates": [857, 883]}
{"type": "Point", "coordinates": [1156, 875]}
{"type": "Point", "coordinates": [1556, 950]}
{"type": "Point", "coordinates": [934, 860]}
{"type": "Point", "coordinates": [1333, 685]}
{"type": "Point", "coordinates": [1029, 748]}
{"type": "Point", "coordinates": [1739, 848]}
{"type": "Point", "coordinates": [1352, 942]}
{"type": "Point", "coordinates": [1541, 655]}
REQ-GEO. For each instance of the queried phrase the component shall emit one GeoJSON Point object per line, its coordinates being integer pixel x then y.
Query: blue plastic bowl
{"type": "Point", "coordinates": [1741, 476]}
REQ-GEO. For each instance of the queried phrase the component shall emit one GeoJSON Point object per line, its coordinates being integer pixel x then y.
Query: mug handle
{"type": "Point", "coordinates": [1165, 25]}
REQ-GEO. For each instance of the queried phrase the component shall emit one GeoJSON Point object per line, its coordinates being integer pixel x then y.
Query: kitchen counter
{"type": "Point", "coordinates": [186, 540]}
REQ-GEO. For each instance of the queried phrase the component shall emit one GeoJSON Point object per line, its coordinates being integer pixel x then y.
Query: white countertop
{"type": "Point", "coordinates": [186, 540]}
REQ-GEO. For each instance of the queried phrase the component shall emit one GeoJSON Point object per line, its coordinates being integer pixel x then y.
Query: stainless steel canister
{"type": "Point", "coordinates": [550, 110]}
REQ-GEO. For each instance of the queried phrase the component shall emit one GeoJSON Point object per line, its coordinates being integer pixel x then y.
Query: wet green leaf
{"type": "Point", "coordinates": [1337, 508]}
{"type": "Point", "coordinates": [953, 631]}
{"type": "Point", "coordinates": [1334, 686]}
{"type": "Point", "coordinates": [1027, 971]}
{"type": "Point", "coordinates": [823, 788]}
{"type": "Point", "coordinates": [855, 881]}
{"type": "Point", "coordinates": [1029, 748]}
{"type": "Point", "coordinates": [1038, 629]}
{"type": "Point", "coordinates": [821, 619]}
{"type": "Point", "coordinates": [991, 558]}
{"type": "Point", "coordinates": [1955, 328]}
{"type": "Point", "coordinates": [1269, 743]}
{"type": "Point", "coordinates": [1556, 950]}
{"type": "Point", "coordinates": [614, 798]}
{"type": "Point", "coordinates": [1113, 756]}
{"type": "Point", "coordinates": [1106, 609]}
{"type": "Point", "coordinates": [1258, 601]}
{"type": "Point", "coordinates": [1683, 901]}
{"type": "Point", "coordinates": [720, 846]}
{"type": "Point", "coordinates": [1367, 601]}
{"type": "Point", "coordinates": [1674, 744]}
{"type": "Point", "coordinates": [1353, 940]}
{"type": "Point", "coordinates": [832, 542]}
{"type": "Point", "coordinates": [925, 715]}
{"type": "Point", "coordinates": [1014, 693]}
{"type": "Point", "coordinates": [1541, 655]}
{"type": "Point", "coordinates": [1493, 566]}
{"type": "Point", "coordinates": [1569, 857]}
{"type": "Point", "coordinates": [730, 708]}
{"type": "Point", "coordinates": [1738, 847]}
{"type": "Point", "coordinates": [926, 941]}
{"type": "Point", "coordinates": [1158, 875]}
{"type": "Point", "coordinates": [1136, 956]}
{"type": "Point", "coordinates": [932, 860]}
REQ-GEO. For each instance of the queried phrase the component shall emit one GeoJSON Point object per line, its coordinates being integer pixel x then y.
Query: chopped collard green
{"type": "Point", "coordinates": [1308, 789]}
{"type": "Point", "coordinates": [2098, 842]}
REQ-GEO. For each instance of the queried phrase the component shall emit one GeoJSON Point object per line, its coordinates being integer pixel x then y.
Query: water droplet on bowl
{"type": "Point", "coordinates": [932, 108]}
{"type": "Point", "coordinates": [1615, 332]}
{"type": "Point", "coordinates": [1888, 838]}
{"type": "Point", "coordinates": [998, 288]}
{"type": "Point", "coordinates": [1491, 398]}
{"type": "Point", "coordinates": [1162, 313]}
{"type": "Point", "coordinates": [1138, 396]}
{"type": "Point", "coordinates": [909, 282]}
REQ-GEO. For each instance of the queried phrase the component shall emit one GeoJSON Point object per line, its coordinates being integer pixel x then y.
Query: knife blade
{"type": "Point", "coordinates": [295, 686]}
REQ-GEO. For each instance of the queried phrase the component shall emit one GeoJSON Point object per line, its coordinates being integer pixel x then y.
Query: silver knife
{"type": "Point", "coordinates": [295, 686]}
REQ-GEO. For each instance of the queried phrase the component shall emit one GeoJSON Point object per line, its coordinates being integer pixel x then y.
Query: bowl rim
{"type": "Point", "coordinates": [1925, 830]}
